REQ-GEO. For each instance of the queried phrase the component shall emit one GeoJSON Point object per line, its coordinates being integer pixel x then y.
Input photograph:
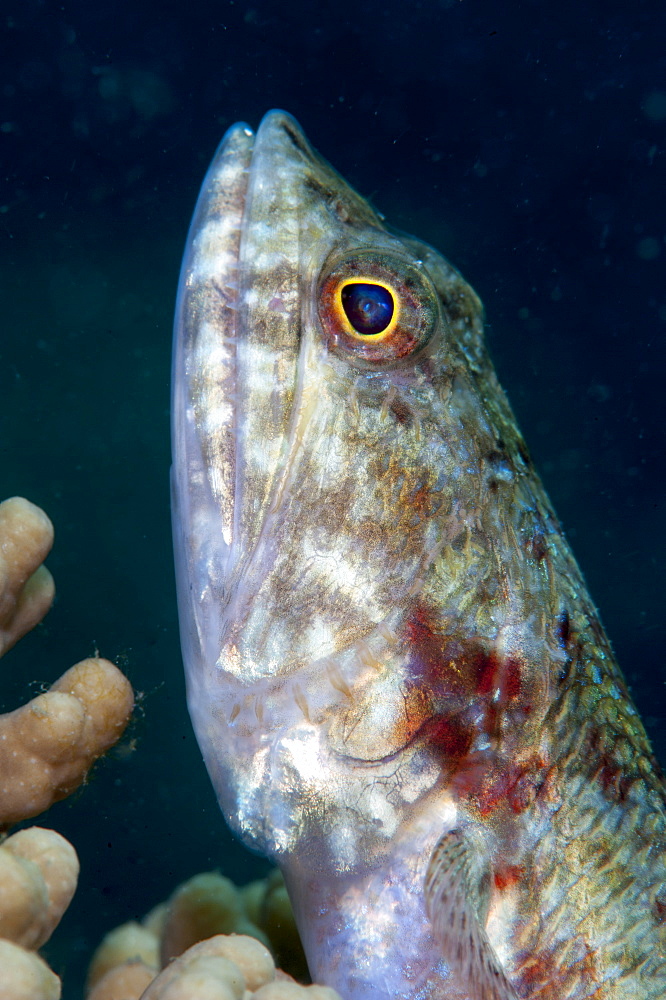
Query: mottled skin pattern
{"type": "Point", "coordinates": [386, 635]}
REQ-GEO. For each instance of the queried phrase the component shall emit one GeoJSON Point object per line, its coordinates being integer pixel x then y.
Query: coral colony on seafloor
{"type": "Point", "coordinates": [46, 749]}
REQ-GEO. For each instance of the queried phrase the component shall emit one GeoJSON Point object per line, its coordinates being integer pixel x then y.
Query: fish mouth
{"type": "Point", "coordinates": [250, 376]}
{"type": "Point", "coordinates": [235, 361]}
{"type": "Point", "coordinates": [203, 376]}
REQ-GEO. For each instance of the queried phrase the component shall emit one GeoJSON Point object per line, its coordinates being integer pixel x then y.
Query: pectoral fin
{"type": "Point", "coordinates": [457, 893]}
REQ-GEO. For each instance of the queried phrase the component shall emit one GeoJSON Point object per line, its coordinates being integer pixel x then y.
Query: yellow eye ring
{"type": "Point", "coordinates": [343, 318]}
{"type": "Point", "coordinates": [383, 323]}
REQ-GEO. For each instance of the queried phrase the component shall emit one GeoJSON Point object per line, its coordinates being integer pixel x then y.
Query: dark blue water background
{"type": "Point", "coordinates": [525, 140]}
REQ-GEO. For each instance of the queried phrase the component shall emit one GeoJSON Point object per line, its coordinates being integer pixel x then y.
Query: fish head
{"type": "Point", "coordinates": [335, 449]}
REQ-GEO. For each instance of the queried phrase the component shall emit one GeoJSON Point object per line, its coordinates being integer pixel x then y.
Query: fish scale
{"type": "Point", "coordinates": [400, 686]}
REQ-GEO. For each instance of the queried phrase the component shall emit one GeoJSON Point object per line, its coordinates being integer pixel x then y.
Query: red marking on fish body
{"type": "Point", "coordinates": [513, 682]}
{"type": "Point", "coordinates": [615, 784]}
{"type": "Point", "coordinates": [537, 546]}
{"type": "Point", "coordinates": [488, 666]}
{"type": "Point", "coordinates": [458, 689]}
{"type": "Point", "coordinates": [449, 736]}
{"type": "Point", "coordinates": [507, 876]}
{"type": "Point", "coordinates": [659, 907]}
{"type": "Point", "coordinates": [608, 766]}
{"type": "Point", "coordinates": [424, 642]}
{"type": "Point", "coordinates": [544, 973]}
{"type": "Point", "coordinates": [517, 785]}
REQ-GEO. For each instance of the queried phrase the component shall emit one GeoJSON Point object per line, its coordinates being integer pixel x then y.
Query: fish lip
{"type": "Point", "coordinates": [283, 124]}
{"type": "Point", "coordinates": [208, 316]}
{"type": "Point", "coordinates": [205, 315]}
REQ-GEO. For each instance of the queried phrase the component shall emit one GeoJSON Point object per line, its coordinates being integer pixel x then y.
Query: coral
{"type": "Point", "coordinates": [46, 750]}
{"type": "Point", "coordinates": [205, 905]}
{"type": "Point", "coordinates": [210, 940]}
{"type": "Point", "coordinates": [48, 746]}
{"type": "Point", "coordinates": [38, 874]}
{"type": "Point", "coordinates": [224, 967]}
{"type": "Point", "coordinates": [25, 976]}
{"type": "Point", "coordinates": [26, 587]}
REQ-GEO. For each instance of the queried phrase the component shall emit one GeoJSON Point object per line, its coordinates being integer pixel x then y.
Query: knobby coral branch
{"type": "Point", "coordinates": [46, 749]}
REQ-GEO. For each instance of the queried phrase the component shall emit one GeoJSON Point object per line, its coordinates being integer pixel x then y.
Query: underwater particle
{"type": "Point", "coordinates": [599, 392]}
{"type": "Point", "coordinates": [654, 106]}
{"type": "Point", "coordinates": [146, 93]}
{"type": "Point", "coordinates": [648, 248]}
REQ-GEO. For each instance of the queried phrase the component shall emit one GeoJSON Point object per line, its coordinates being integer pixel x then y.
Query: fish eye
{"type": "Point", "coordinates": [377, 308]}
{"type": "Point", "coordinates": [369, 307]}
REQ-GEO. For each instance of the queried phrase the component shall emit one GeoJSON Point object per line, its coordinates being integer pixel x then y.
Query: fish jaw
{"type": "Point", "coordinates": [274, 588]}
{"type": "Point", "coordinates": [203, 393]}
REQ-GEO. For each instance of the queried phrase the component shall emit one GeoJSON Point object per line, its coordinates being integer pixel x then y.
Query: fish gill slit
{"type": "Point", "coordinates": [297, 140]}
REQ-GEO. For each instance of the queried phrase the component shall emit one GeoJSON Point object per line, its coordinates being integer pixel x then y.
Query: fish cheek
{"type": "Point", "coordinates": [373, 726]}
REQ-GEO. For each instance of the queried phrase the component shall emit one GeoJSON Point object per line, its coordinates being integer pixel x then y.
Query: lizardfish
{"type": "Point", "coordinates": [401, 688]}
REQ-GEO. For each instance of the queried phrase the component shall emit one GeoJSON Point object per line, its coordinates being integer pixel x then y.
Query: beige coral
{"type": "Point", "coordinates": [48, 746]}
{"type": "Point", "coordinates": [26, 976]}
{"type": "Point", "coordinates": [46, 750]}
{"type": "Point", "coordinates": [205, 905]}
{"type": "Point", "coordinates": [26, 587]}
{"type": "Point", "coordinates": [225, 965]}
{"type": "Point", "coordinates": [38, 874]}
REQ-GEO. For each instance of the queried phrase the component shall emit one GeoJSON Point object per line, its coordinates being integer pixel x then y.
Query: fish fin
{"type": "Point", "coordinates": [457, 894]}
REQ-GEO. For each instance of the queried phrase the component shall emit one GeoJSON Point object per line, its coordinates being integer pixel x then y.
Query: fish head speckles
{"type": "Point", "coordinates": [337, 443]}
{"type": "Point", "coordinates": [337, 473]}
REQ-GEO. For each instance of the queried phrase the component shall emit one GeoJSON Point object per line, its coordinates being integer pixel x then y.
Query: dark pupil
{"type": "Point", "coordinates": [369, 308]}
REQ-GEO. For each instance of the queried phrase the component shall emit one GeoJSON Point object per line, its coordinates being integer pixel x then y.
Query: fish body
{"type": "Point", "coordinates": [399, 683]}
